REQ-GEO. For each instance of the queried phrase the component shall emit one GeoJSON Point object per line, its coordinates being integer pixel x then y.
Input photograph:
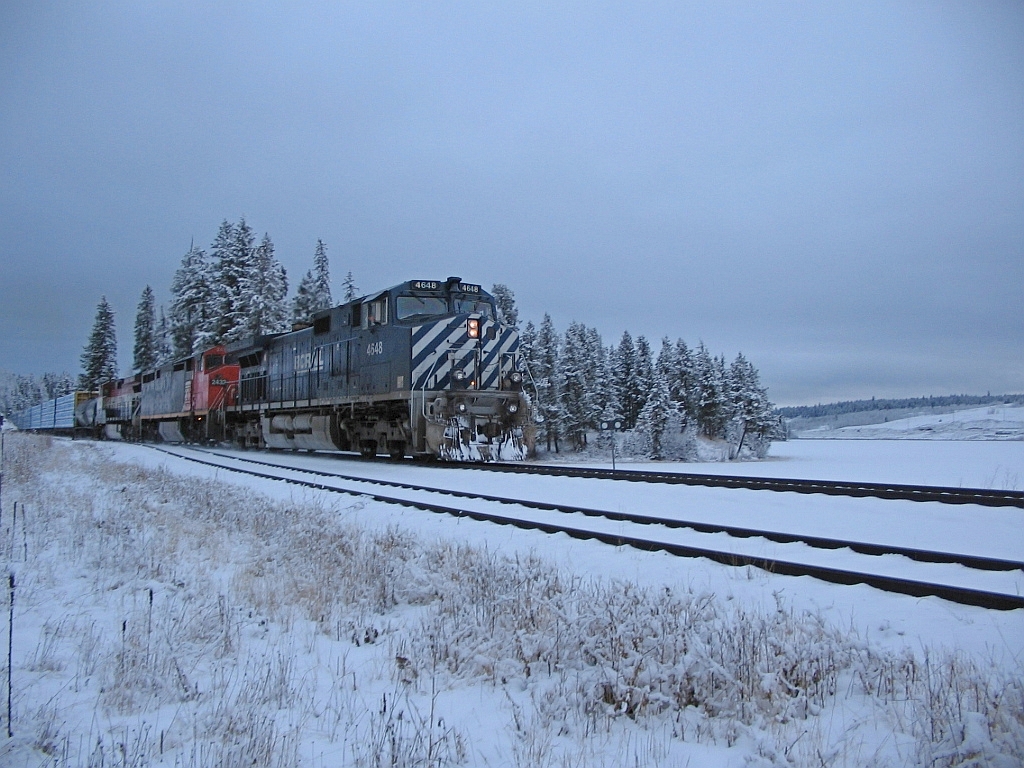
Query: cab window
{"type": "Point", "coordinates": [466, 306]}
{"type": "Point", "coordinates": [419, 306]}
{"type": "Point", "coordinates": [377, 312]}
{"type": "Point", "coordinates": [214, 361]}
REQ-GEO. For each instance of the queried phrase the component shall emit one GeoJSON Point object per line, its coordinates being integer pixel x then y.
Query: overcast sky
{"type": "Point", "coordinates": [834, 189]}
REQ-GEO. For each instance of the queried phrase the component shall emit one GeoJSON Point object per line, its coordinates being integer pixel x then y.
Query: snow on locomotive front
{"type": "Point", "coordinates": [467, 393]}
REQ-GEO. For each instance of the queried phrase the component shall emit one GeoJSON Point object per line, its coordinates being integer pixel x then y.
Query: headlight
{"type": "Point", "coordinates": [473, 327]}
{"type": "Point", "coordinates": [517, 377]}
{"type": "Point", "coordinates": [461, 407]}
{"type": "Point", "coordinates": [513, 408]}
{"type": "Point", "coordinates": [459, 375]}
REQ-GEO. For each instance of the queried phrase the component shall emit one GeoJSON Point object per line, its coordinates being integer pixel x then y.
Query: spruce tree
{"type": "Point", "coordinates": [264, 290]}
{"type": "Point", "coordinates": [233, 255]}
{"type": "Point", "coordinates": [626, 380]}
{"type": "Point", "coordinates": [579, 409]}
{"type": "Point", "coordinates": [321, 278]}
{"type": "Point", "coordinates": [99, 359]}
{"type": "Point", "coordinates": [303, 302]}
{"type": "Point", "coordinates": [505, 300]}
{"type": "Point", "coordinates": [656, 413]}
{"type": "Point", "coordinates": [144, 356]}
{"type": "Point", "coordinates": [193, 312]}
{"type": "Point", "coordinates": [349, 288]}
{"type": "Point", "coordinates": [548, 380]}
{"type": "Point", "coordinates": [163, 339]}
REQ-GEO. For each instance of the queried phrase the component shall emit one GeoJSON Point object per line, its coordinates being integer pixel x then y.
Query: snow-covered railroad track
{"type": "Point", "coordinates": [944, 495]}
{"type": "Point", "coordinates": [955, 577]}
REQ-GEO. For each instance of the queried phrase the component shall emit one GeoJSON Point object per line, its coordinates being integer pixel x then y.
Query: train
{"type": "Point", "coordinates": [423, 369]}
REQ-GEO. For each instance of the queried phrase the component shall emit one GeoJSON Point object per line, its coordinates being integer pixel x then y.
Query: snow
{"type": "Point", "coordinates": [992, 422]}
{"type": "Point", "coordinates": [326, 690]}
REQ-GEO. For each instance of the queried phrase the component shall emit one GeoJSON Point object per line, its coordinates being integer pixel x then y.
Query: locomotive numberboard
{"type": "Point", "coordinates": [425, 285]}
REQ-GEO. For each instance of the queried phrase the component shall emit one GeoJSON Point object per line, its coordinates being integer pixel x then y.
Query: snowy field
{"type": "Point", "coordinates": [172, 614]}
{"type": "Point", "coordinates": [992, 422]}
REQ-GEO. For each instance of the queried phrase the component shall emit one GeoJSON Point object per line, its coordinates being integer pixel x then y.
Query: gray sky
{"type": "Point", "coordinates": [837, 190]}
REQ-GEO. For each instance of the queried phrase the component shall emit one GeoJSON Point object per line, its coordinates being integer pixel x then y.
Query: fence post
{"type": "Point", "coordinates": [10, 656]}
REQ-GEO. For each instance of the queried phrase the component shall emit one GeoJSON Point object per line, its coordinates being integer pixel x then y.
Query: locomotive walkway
{"type": "Point", "coordinates": [628, 527]}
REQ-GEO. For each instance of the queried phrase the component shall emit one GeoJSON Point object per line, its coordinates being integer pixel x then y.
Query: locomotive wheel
{"type": "Point", "coordinates": [396, 449]}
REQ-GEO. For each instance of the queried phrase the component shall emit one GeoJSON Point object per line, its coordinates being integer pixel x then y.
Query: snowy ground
{"type": "Point", "coordinates": [175, 614]}
{"type": "Point", "coordinates": [992, 422]}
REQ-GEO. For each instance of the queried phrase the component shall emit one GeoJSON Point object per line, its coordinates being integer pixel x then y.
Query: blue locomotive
{"type": "Point", "coordinates": [423, 368]}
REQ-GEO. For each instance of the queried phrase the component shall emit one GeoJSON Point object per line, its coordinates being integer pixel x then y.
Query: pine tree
{"type": "Point", "coordinates": [657, 411]}
{"type": "Point", "coordinates": [302, 303]}
{"type": "Point", "coordinates": [264, 290]}
{"type": "Point", "coordinates": [350, 289]}
{"type": "Point", "coordinates": [193, 312]}
{"type": "Point", "coordinates": [528, 345]}
{"type": "Point", "coordinates": [750, 407]}
{"type": "Point", "coordinates": [505, 300]}
{"type": "Point", "coordinates": [687, 391]}
{"type": "Point", "coordinates": [163, 339]}
{"type": "Point", "coordinates": [56, 385]}
{"type": "Point", "coordinates": [548, 380]}
{"type": "Point", "coordinates": [626, 381]}
{"type": "Point", "coordinates": [644, 372]}
{"type": "Point", "coordinates": [321, 278]}
{"type": "Point", "coordinates": [579, 409]}
{"type": "Point", "coordinates": [99, 359]}
{"type": "Point", "coordinates": [144, 357]}
{"type": "Point", "coordinates": [712, 406]}
{"type": "Point", "coordinates": [233, 254]}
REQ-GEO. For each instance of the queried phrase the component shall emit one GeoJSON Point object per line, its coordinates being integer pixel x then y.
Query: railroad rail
{"type": "Point", "coordinates": [944, 495]}
{"type": "Point", "coordinates": [963, 595]}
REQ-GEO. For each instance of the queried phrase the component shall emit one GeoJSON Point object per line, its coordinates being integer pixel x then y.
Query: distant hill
{"type": "Point", "coordinates": [855, 413]}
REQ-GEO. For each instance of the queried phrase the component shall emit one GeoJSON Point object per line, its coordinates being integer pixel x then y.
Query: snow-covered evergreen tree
{"type": "Point", "coordinates": [528, 344]}
{"type": "Point", "coordinates": [322, 278]}
{"type": "Point", "coordinates": [685, 385]}
{"type": "Point", "coordinates": [712, 412]}
{"type": "Point", "coordinates": [144, 356]}
{"type": "Point", "coordinates": [626, 380]}
{"type": "Point", "coordinates": [656, 414]}
{"type": "Point", "coordinates": [193, 311]}
{"type": "Point", "coordinates": [505, 300]}
{"type": "Point", "coordinates": [99, 359]}
{"type": "Point", "coordinates": [56, 385]}
{"type": "Point", "coordinates": [264, 290]}
{"type": "Point", "coordinates": [579, 406]}
{"type": "Point", "coordinates": [349, 289]}
{"type": "Point", "coordinates": [548, 381]}
{"type": "Point", "coordinates": [303, 301]}
{"type": "Point", "coordinates": [233, 255]}
{"type": "Point", "coordinates": [163, 339]}
{"type": "Point", "coordinates": [751, 410]}
{"type": "Point", "coordinates": [644, 372]}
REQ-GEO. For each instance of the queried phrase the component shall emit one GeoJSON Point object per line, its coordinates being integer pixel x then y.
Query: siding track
{"type": "Point", "coordinates": [419, 497]}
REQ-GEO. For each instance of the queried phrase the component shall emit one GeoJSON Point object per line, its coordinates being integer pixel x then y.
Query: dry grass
{"type": "Point", "coordinates": [196, 617]}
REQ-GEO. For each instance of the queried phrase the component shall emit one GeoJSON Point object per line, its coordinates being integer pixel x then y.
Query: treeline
{"type": "Point", "coordinates": [667, 400]}
{"type": "Point", "coordinates": [858, 406]}
{"type": "Point", "coordinates": [238, 290]}
{"type": "Point", "coordinates": [18, 392]}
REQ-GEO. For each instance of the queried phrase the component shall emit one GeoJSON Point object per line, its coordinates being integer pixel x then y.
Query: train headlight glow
{"type": "Point", "coordinates": [459, 376]}
{"type": "Point", "coordinates": [461, 407]}
{"type": "Point", "coordinates": [473, 328]}
{"type": "Point", "coordinates": [517, 377]}
{"type": "Point", "coordinates": [513, 408]}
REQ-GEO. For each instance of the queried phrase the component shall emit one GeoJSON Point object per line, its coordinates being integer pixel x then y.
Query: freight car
{"type": "Point", "coordinates": [423, 368]}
